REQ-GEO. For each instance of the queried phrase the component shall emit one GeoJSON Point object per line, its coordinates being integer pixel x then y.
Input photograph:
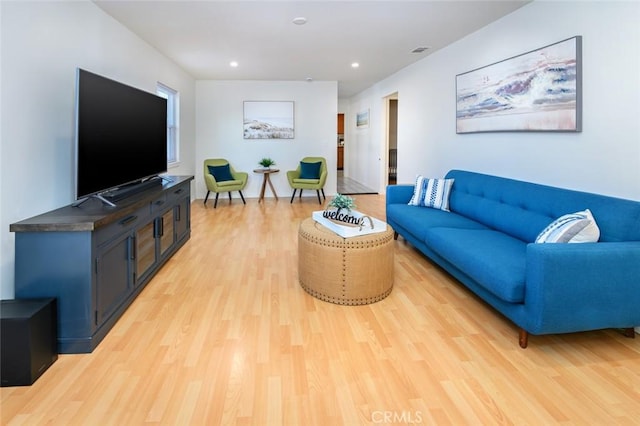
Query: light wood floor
{"type": "Point", "coordinates": [225, 335]}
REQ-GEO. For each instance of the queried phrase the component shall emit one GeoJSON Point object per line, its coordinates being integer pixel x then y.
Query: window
{"type": "Point", "coordinates": [172, 121]}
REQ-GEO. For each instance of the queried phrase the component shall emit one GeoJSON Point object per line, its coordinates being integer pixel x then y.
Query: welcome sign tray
{"type": "Point", "coordinates": [348, 230]}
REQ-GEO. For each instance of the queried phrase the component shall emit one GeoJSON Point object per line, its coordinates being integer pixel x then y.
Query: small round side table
{"type": "Point", "coordinates": [266, 179]}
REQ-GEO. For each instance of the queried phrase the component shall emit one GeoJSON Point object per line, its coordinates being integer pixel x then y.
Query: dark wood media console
{"type": "Point", "coordinates": [95, 259]}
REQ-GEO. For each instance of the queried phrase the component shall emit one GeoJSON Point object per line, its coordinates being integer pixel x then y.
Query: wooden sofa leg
{"type": "Point", "coordinates": [395, 235]}
{"type": "Point", "coordinates": [523, 338]}
{"type": "Point", "coordinates": [629, 332]}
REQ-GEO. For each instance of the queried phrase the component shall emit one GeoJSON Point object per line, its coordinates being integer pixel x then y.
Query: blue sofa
{"type": "Point", "coordinates": [487, 242]}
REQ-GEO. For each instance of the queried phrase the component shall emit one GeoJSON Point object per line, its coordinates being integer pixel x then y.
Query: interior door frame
{"type": "Point", "coordinates": [387, 130]}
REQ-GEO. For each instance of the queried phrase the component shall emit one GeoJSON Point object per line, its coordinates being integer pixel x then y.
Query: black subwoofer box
{"type": "Point", "coordinates": [28, 339]}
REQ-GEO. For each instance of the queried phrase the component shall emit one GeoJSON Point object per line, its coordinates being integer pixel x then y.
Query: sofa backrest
{"type": "Point", "coordinates": [523, 209]}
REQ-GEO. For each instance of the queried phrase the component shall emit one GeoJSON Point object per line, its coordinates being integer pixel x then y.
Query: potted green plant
{"type": "Point", "coordinates": [340, 202]}
{"type": "Point", "coordinates": [267, 162]}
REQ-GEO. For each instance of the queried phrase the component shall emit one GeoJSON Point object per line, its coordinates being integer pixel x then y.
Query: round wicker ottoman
{"type": "Point", "coordinates": [346, 271]}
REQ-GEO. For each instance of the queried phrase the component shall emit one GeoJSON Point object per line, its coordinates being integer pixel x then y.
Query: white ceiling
{"type": "Point", "coordinates": [203, 37]}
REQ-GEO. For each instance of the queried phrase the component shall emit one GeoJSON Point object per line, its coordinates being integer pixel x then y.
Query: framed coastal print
{"type": "Point", "coordinates": [268, 120]}
{"type": "Point", "coordinates": [537, 91]}
{"type": "Point", "coordinates": [362, 119]}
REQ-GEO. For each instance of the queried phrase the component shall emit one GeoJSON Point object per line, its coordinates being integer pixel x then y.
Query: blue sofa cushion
{"type": "Point", "coordinates": [493, 259]}
{"type": "Point", "coordinates": [418, 220]}
{"type": "Point", "coordinates": [524, 209]}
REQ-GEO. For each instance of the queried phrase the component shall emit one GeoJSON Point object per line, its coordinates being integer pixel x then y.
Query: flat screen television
{"type": "Point", "coordinates": [121, 135]}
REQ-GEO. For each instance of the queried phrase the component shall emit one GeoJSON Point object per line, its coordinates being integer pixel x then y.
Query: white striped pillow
{"type": "Point", "coordinates": [579, 227]}
{"type": "Point", "coordinates": [433, 193]}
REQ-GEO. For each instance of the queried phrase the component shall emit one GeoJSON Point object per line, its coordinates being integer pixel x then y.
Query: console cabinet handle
{"type": "Point", "coordinates": [128, 220]}
{"type": "Point", "coordinates": [132, 248]}
{"type": "Point", "coordinates": [158, 227]}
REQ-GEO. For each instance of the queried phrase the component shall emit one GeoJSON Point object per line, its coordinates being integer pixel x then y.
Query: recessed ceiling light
{"type": "Point", "coordinates": [355, 65]}
{"type": "Point", "coordinates": [300, 20]}
{"type": "Point", "coordinates": [233, 64]}
{"type": "Point", "coordinates": [309, 79]}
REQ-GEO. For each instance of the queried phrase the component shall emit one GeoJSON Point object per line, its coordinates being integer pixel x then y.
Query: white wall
{"type": "Point", "coordinates": [5, 249]}
{"type": "Point", "coordinates": [42, 45]}
{"type": "Point", "coordinates": [219, 124]}
{"type": "Point", "coordinates": [603, 158]}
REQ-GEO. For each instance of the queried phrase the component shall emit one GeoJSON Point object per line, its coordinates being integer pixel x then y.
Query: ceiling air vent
{"type": "Point", "coordinates": [419, 49]}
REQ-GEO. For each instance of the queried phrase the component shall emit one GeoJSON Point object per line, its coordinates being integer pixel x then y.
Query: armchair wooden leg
{"type": "Point", "coordinates": [322, 189]}
{"type": "Point", "coordinates": [293, 195]}
{"type": "Point", "coordinates": [229, 196]}
{"type": "Point", "coordinates": [300, 194]}
{"type": "Point", "coordinates": [206, 197]}
{"type": "Point", "coordinates": [242, 196]}
{"type": "Point", "coordinates": [215, 204]}
{"type": "Point", "coordinates": [318, 192]}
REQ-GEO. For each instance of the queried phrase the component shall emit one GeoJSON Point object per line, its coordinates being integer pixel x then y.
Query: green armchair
{"type": "Point", "coordinates": [220, 176]}
{"type": "Point", "coordinates": [309, 175]}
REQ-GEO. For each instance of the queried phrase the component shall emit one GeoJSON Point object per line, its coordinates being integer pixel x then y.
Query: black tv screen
{"type": "Point", "coordinates": [121, 134]}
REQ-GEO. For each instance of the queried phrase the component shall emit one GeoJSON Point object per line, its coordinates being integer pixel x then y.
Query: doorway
{"type": "Point", "coordinates": [392, 139]}
{"type": "Point", "coordinates": [346, 185]}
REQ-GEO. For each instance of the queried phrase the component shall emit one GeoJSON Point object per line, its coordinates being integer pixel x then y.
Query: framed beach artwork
{"type": "Point", "coordinates": [268, 120]}
{"type": "Point", "coordinates": [362, 119]}
{"type": "Point", "coordinates": [537, 91]}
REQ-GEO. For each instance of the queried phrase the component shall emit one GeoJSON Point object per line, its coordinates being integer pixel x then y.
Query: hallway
{"type": "Point", "coordinates": [348, 186]}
